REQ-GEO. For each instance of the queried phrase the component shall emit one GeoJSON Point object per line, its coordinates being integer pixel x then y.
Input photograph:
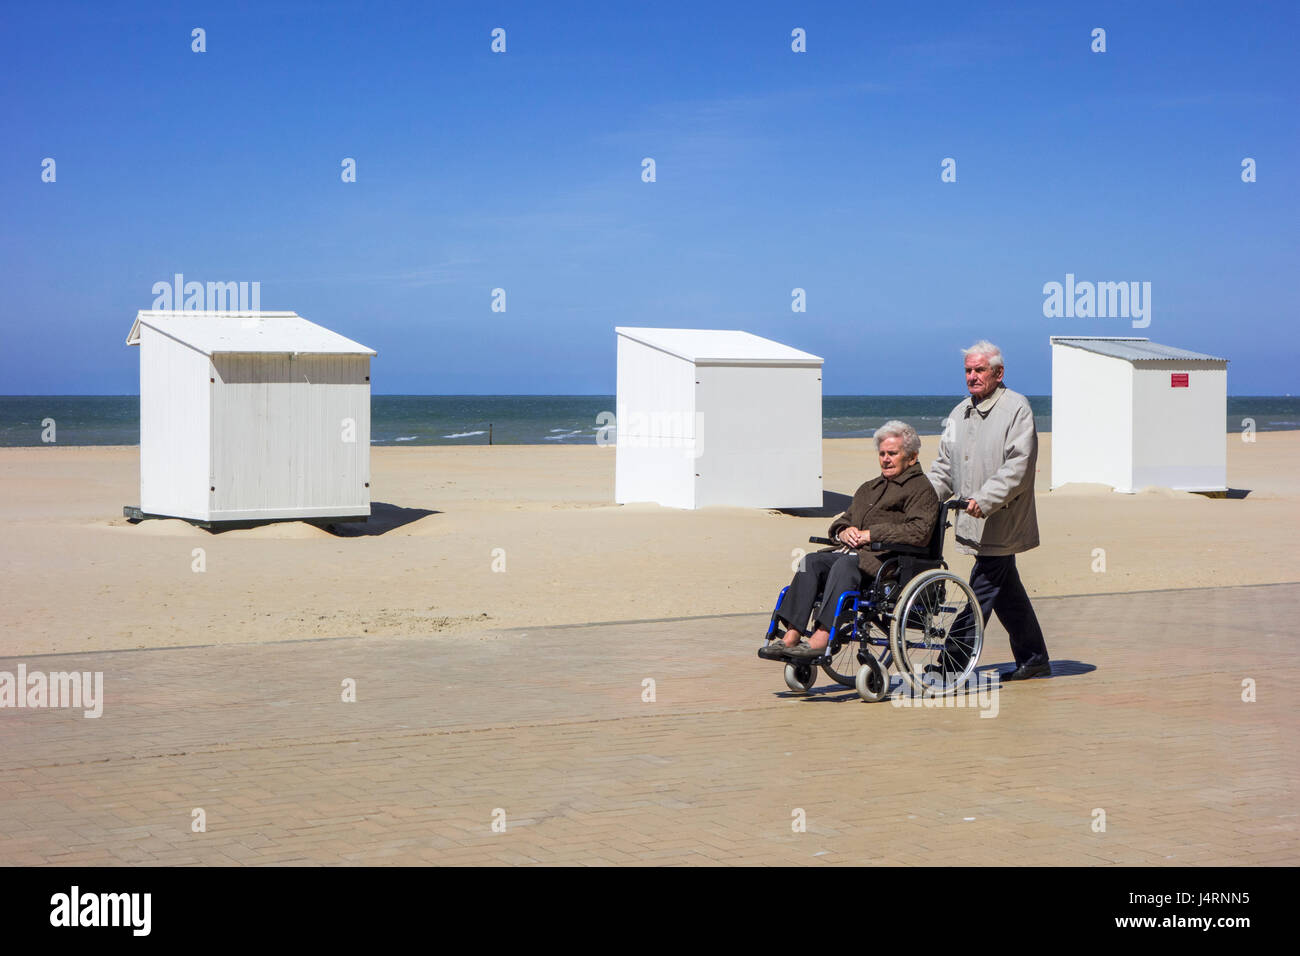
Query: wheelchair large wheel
{"type": "Point", "coordinates": [936, 633]}
{"type": "Point", "coordinates": [843, 665]}
{"type": "Point", "coordinates": [800, 677]}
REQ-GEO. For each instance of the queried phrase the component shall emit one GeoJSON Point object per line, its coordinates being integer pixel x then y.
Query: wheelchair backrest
{"type": "Point", "coordinates": [935, 551]}
{"type": "Point", "coordinates": [909, 566]}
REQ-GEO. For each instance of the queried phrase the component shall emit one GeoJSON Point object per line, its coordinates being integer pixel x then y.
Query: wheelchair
{"type": "Point", "coordinates": [916, 617]}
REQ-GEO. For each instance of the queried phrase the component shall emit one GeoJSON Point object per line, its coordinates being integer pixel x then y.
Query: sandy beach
{"type": "Point", "coordinates": [78, 577]}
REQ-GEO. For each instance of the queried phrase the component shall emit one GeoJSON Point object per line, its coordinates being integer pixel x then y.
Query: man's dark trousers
{"type": "Point", "coordinates": [997, 587]}
{"type": "Point", "coordinates": [824, 572]}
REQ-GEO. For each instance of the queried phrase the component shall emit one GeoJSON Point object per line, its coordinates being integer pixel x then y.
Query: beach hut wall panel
{"type": "Point", "coordinates": [251, 416]}
{"type": "Point", "coordinates": [759, 441]}
{"type": "Point", "coordinates": [175, 408]}
{"type": "Point", "coordinates": [716, 418]}
{"type": "Point", "coordinates": [1132, 413]}
{"type": "Point", "coordinates": [1092, 426]}
{"type": "Point", "coordinates": [278, 428]}
{"type": "Point", "coordinates": [654, 427]}
{"type": "Point", "coordinates": [1179, 432]}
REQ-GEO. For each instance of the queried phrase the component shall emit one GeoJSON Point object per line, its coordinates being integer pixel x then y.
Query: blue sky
{"type": "Point", "coordinates": [775, 170]}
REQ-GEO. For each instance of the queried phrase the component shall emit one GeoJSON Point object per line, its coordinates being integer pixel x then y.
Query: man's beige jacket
{"type": "Point", "coordinates": [989, 452]}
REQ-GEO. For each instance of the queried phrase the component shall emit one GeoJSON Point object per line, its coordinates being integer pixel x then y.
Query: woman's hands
{"type": "Point", "coordinates": [855, 538]}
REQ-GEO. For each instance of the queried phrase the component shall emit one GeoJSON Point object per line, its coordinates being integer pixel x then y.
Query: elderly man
{"type": "Point", "coordinates": [988, 454]}
{"type": "Point", "coordinates": [899, 507]}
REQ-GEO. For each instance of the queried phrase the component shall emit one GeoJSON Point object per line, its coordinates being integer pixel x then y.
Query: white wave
{"type": "Point", "coordinates": [407, 438]}
{"type": "Point", "coordinates": [561, 437]}
{"type": "Point", "coordinates": [464, 434]}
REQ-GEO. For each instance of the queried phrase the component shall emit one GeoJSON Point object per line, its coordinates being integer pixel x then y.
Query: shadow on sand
{"type": "Point", "coordinates": [833, 503]}
{"type": "Point", "coordinates": [383, 518]}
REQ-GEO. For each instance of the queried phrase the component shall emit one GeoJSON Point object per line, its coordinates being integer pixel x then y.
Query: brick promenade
{"type": "Point", "coordinates": [547, 731]}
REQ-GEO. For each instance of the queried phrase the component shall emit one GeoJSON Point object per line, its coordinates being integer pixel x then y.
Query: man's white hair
{"type": "Point", "coordinates": [897, 429]}
{"type": "Point", "coordinates": [988, 350]}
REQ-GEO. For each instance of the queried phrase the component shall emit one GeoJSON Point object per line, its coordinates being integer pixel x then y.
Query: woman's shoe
{"type": "Point", "coordinates": [804, 650]}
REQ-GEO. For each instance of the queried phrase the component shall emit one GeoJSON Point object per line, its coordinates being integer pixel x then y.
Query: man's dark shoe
{"type": "Point", "coordinates": [1026, 671]}
{"type": "Point", "coordinates": [772, 652]}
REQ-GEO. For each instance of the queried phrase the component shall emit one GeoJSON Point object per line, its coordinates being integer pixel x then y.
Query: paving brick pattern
{"type": "Point", "coordinates": [546, 732]}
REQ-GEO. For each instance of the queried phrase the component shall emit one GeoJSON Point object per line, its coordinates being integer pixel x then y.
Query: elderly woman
{"type": "Point", "coordinates": [899, 507]}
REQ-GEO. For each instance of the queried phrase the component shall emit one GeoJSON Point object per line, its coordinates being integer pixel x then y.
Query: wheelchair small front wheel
{"type": "Point", "coordinates": [872, 681]}
{"type": "Point", "coordinates": [800, 677]}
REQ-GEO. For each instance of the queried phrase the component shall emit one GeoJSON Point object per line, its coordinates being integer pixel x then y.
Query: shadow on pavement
{"type": "Point", "coordinates": [827, 691]}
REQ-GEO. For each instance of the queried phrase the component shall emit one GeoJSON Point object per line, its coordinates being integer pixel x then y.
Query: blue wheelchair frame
{"type": "Point", "coordinates": [858, 605]}
{"type": "Point", "coordinates": [847, 596]}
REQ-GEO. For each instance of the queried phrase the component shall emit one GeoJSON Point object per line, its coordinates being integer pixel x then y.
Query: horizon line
{"type": "Point", "coordinates": [586, 395]}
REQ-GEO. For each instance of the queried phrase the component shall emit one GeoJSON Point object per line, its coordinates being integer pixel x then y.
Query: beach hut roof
{"type": "Point", "coordinates": [1132, 349]}
{"type": "Point", "coordinates": [214, 332]}
{"type": "Point", "coordinates": [719, 347]}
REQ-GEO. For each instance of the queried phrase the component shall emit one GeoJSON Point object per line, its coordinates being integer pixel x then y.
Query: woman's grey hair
{"type": "Point", "coordinates": [897, 429]}
{"type": "Point", "coordinates": [988, 350]}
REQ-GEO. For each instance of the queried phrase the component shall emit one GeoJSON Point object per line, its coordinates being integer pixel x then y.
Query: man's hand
{"type": "Point", "coordinates": [855, 538]}
{"type": "Point", "coordinates": [973, 509]}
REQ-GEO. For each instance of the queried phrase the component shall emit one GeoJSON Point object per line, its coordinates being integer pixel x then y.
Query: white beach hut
{"type": "Point", "coordinates": [708, 418]}
{"type": "Point", "coordinates": [1131, 413]}
{"type": "Point", "coordinates": [251, 416]}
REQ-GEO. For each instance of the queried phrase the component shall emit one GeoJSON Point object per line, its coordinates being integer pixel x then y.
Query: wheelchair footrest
{"type": "Point", "coordinates": [774, 652]}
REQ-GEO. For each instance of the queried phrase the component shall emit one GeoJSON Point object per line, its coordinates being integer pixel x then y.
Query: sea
{"type": "Point", "coordinates": [399, 420]}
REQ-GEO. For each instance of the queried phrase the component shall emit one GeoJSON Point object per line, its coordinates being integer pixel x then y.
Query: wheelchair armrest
{"type": "Point", "coordinates": [882, 546]}
{"type": "Point", "coordinates": [900, 549]}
